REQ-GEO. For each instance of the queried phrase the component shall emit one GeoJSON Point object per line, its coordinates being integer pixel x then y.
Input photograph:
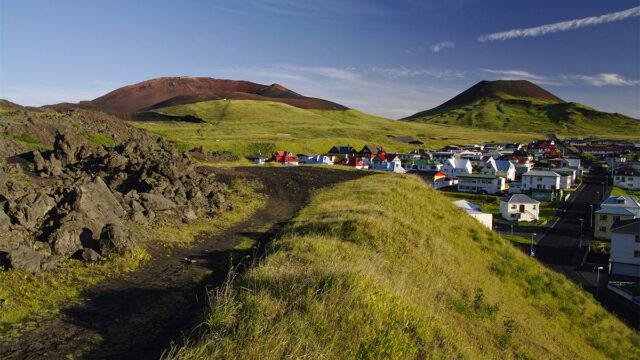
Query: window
{"type": "Point", "coordinates": [638, 238]}
{"type": "Point", "coordinates": [636, 253]}
{"type": "Point", "coordinates": [603, 229]}
{"type": "Point", "coordinates": [533, 207]}
{"type": "Point", "coordinates": [513, 206]}
{"type": "Point", "coordinates": [514, 215]}
{"type": "Point", "coordinates": [620, 201]}
{"type": "Point", "coordinates": [603, 217]}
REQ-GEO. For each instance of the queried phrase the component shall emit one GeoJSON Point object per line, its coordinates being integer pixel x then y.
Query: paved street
{"type": "Point", "coordinates": [560, 247]}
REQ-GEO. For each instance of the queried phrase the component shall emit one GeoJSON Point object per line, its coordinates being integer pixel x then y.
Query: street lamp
{"type": "Point", "coordinates": [532, 241]}
{"type": "Point", "coordinates": [590, 216]}
{"type": "Point", "coordinates": [603, 188]}
{"type": "Point", "coordinates": [580, 232]}
{"type": "Point", "coordinates": [598, 281]}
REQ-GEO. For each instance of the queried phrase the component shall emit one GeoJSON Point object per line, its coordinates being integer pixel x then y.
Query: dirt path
{"type": "Point", "coordinates": [136, 317]}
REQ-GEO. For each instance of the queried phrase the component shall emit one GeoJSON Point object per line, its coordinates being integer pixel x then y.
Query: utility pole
{"type": "Point", "coordinates": [532, 241]}
{"type": "Point", "coordinates": [598, 281]}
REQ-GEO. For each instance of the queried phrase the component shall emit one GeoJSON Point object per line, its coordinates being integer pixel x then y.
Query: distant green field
{"type": "Point", "coordinates": [233, 125]}
{"type": "Point", "coordinates": [532, 115]}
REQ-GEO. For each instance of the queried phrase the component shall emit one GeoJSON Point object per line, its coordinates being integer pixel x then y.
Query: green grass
{"type": "Point", "coordinates": [26, 297]}
{"type": "Point", "coordinates": [518, 239]}
{"type": "Point", "coordinates": [616, 191]}
{"type": "Point", "coordinates": [530, 115]}
{"type": "Point", "coordinates": [26, 138]}
{"type": "Point", "coordinates": [385, 268]}
{"type": "Point", "coordinates": [303, 131]}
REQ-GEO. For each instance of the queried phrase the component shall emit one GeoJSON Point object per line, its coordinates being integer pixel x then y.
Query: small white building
{"type": "Point", "coordinates": [390, 166]}
{"type": "Point", "coordinates": [473, 210]}
{"type": "Point", "coordinates": [502, 168]}
{"type": "Point", "coordinates": [625, 248]}
{"type": "Point", "coordinates": [540, 180]}
{"type": "Point", "coordinates": [313, 159]}
{"type": "Point", "coordinates": [258, 159]}
{"type": "Point", "coordinates": [627, 178]}
{"type": "Point", "coordinates": [454, 167]}
{"type": "Point", "coordinates": [519, 207]}
{"type": "Point", "coordinates": [481, 183]}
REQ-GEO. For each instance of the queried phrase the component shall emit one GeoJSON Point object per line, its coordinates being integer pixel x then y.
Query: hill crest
{"type": "Point", "coordinates": [497, 89]}
{"type": "Point", "coordinates": [171, 91]}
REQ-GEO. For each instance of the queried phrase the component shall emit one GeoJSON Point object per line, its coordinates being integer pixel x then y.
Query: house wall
{"type": "Point", "coordinates": [603, 223]}
{"type": "Point", "coordinates": [625, 254]}
{"type": "Point", "coordinates": [511, 211]}
{"type": "Point", "coordinates": [540, 182]}
{"type": "Point", "coordinates": [627, 182]}
{"type": "Point", "coordinates": [491, 186]}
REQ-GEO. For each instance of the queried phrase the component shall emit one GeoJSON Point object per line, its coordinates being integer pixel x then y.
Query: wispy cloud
{"type": "Point", "coordinates": [524, 75]}
{"type": "Point", "coordinates": [404, 72]}
{"type": "Point", "coordinates": [604, 79]}
{"type": "Point", "coordinates": [562, 26]}
{"type": "Point", "coordinates": [329, 72]}
{"type": "Point", "coordinates": [443, 45]}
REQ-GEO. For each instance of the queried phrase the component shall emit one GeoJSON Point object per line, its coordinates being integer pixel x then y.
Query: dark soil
{"type": "Point", "coordinates": [138, 316]}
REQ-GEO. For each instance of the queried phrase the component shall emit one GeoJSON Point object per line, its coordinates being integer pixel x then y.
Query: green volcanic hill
{"type": "Point", "coordinates": [521, 106]}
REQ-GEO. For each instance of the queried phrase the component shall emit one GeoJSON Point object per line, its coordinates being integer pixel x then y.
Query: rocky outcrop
{"type": "Point", "coordinates": [78, 199]}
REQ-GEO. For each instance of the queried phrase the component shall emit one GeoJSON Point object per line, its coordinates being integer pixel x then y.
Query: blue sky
{"type": "Point", "coordinates": [388, 58]}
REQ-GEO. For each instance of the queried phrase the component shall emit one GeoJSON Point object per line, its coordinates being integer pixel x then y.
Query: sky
{"type": "Point", "coordinates": [387, 58]}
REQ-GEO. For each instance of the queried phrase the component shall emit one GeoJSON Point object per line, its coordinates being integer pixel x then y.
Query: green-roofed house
{"type": "Point", "coordinates": [423, 165]}
{"type": "Point", "coordinates": [481, 183]}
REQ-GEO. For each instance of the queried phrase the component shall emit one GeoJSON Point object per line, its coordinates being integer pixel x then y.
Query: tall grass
{"type": "Point", "coordinates": [385, 267]}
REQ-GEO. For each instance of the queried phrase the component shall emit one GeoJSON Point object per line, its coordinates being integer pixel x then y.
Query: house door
{"type": "Point", "coordinates": [521, 208]}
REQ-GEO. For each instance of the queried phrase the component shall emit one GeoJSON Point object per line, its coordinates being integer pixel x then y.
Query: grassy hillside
{"type": "Point", "coordinates": [385, 267]}
{"type": "Point", "coordinates": [233, 125]}
{"type": "Point", "coordinates": [530, 115]}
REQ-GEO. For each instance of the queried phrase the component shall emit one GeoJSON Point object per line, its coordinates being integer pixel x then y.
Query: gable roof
{"type": "Point", "coordinates": [614, 211]}
{"type": "Point", "coordinates": [546, 173]}
{"type": "Point", "coordinates": [373, 149]}
{"type": "Point", "coordinates": [626, 227]}
{"type": "Point", "coordinates": [626, 171]}
{"type": "Point", "coordinates": [464, 204]}
{"type": "Point", "coordinates": [341, 150]}
{"type": "Point", "coordinates": [628, 202]}
{"type": "Point", "coordinates": [520, 199]}
{"type": "Point", "coordinates": [503, 165]}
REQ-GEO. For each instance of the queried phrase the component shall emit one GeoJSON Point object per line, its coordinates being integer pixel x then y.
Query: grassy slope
{"type": "Point", "coordinates": [526, 115]}
{"type": "Point", "coordinates": [238, 123]}
{"type": "Point", "coordinates": [385, 267]}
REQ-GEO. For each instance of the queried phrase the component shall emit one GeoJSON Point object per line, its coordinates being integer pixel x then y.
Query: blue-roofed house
{"type": "Point", "coordinates": [607, 216]}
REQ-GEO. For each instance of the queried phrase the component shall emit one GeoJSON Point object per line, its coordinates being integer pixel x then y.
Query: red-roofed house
{"type": "Point", "coordinates": [285, 158]}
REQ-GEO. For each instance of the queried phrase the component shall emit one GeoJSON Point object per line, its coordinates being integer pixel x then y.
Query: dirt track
{"type": "Point", "coordinates": [136, 317]}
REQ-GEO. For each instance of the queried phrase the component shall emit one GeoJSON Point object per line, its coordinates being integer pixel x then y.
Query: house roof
{"type": "Point", "coordinates": [626, 227]}
{"type": "Point", "coordinates": [614, 211]}
{"type": "Point", "coordinates": [546, 173]}
{"type": "Point", "coordinates": [464, 204]}
{"type": "Point", "coordinates": [478, 176]}
{"type": "Point", "coordinates": [627, 201]}
{"type": "Point", "coordinates": [520, 199]}
{"type": "Point", "coordinates": [342, 149]}
{"type": "Point", "coordinates": [503, 165]}
{"type": "Point", "coordinates": [424, 162]}
{"type": "Point", "coordinates": [626, 171]}
{"type": "Point", "coordinates": [374, 149]}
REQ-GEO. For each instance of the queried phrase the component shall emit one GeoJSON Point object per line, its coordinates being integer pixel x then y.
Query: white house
{"type": "Point", "coordinates": [480, 183]}
{"type": "Point", "coordinates": [257, 159]}
{"type": "Point", "coordinates": [519, 207]}
{"type": "Point", "coordinates": [625, 202]}
{"type": "Point", "coordinates": [566, 178]}
{"type": "Point", "coordinates": [442, 156]}
{"type": "Point", "coordinates": [540, 180]}
{"type": "Point", "coordinates": [313, 159]}
{"type": "Point", "coordinates": [473, 210]}
{"type": "Point", "coordinates": [625, 248]}
{"type": "Point", "coordinates": [455, 167]}
{"type": "Point", "coordinates": [390, 166]}
{"type": "Point", "coordinates": [502, 168]}
{"type": "Point", "coordinates": [515, 187]}
{"type": "Point", "coordinates": [627, 178]}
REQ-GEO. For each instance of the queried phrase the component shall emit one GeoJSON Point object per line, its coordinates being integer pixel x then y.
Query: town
{"type": "Point", "coordinates": [524, 191]}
